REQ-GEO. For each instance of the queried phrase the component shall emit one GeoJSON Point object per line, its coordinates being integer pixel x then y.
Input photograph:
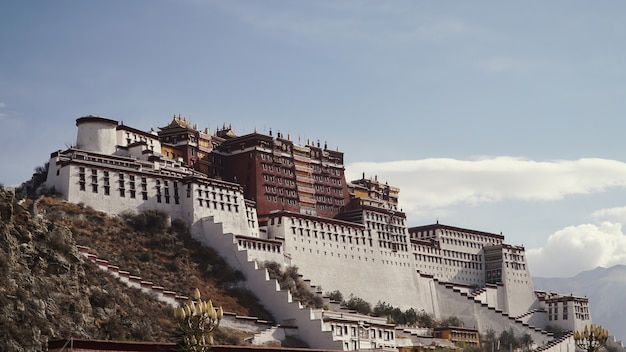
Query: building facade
{"type": "Point", "coordinates": [189, 146]}
{"type": "Point", "coordinates": [281, 175]}
{"type": "Point", "coordinates": [259, 198]}
{"type": "Point", "coordinates": [358, 332]}
{"type": "Point", "coordinates": [459, 335]}
{"type": "Point", "coordinates": [570, 313]}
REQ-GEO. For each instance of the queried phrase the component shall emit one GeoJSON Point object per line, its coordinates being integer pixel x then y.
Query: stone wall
{"type": "Point", "coordinates": [481, 316]}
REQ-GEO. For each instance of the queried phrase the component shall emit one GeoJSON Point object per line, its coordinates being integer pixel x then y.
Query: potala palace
{"type": "Point", "coordinates": [261, 197]}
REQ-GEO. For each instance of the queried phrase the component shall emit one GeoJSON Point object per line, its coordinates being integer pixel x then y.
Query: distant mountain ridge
{"type": "Point", "coordinates": [605, 288]}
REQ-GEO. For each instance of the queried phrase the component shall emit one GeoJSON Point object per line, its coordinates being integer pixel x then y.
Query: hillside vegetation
{"type": "Point", "coordinates": [50, 290]}
{"type": "Point", "coordinates": [144, 245]}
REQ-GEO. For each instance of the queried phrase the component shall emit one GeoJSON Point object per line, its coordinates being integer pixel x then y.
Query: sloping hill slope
{"type": "Point", "coordinates": [146, 246]}
{"type": "Point", "coordinates": [50, 291]}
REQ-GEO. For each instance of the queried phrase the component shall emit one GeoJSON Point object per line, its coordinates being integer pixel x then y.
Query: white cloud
{"type": "Point", "coordinates": [429, 184]}
{"type": "Point", "coordinates": [611, 214]}
{"type": "Point", "coordinates": [2, 105]}
{"type": "Point", "coordinates": [436, 185]}
{"type": "Point", "coordinates": [576, 248]}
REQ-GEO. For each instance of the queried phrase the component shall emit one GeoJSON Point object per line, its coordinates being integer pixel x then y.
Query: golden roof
{"type": "Point", "coordinates": [177, 121]}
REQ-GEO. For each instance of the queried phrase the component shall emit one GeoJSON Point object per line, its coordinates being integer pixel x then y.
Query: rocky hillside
{"type": "Point", "coordinates": [49, 290]}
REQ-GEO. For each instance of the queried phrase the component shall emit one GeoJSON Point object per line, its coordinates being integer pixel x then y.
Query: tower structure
{"type": "Point", "coordinates": [375, 205]}
{"type": "Point", "coordinates": [96, 134]}
{"type": "Point", "coordinates": [187, 144]}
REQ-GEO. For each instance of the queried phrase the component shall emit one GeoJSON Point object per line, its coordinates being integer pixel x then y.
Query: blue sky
{"type": "Point", "coordinates": [496, 116]}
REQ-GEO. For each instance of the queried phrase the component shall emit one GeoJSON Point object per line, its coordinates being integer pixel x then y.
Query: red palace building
{"type": "Point", "coordinates": [276, 173]}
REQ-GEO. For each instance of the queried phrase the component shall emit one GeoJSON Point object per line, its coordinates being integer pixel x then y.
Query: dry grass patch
{"type": "Point", "coordinates": [167, 256]}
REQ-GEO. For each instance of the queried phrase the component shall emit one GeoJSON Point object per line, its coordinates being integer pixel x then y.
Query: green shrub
{"type": "Point", "coordinates": [60, 241]}
{"type": "Point", "coordinates": [409, 317]}
{"type": "Point", "coordinates": [290, 280]}
{"type": "Point", "coordinates": [100, 299]}
{"type": "Point", "coordinates": [336, 296]}
{"type": "Point", "coordinates": [452, 321]}
{"type": "Point", "coordinates": [179, 226]}
{"type": "Point", "coordinates": [145, 257]}
{"type": "Point", "coordinates": [426, 320]}
{"type": "Point", "coordinates": [358, 304]}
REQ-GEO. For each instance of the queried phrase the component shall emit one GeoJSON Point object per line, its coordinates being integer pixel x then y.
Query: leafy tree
{"type": "Point", "coordinates": [399, 317]}
{"type": "Point", "coordinates": [425, 320]}
{"type": "Point", "coordinates": [289, 279]}
{"type": "Point", "coordinates": [410, 317]}
{"type": "Point", "coordinates": [508, 341]}
{"type": "Point", "coordinates": [39, 177]}
{"type": "Point", "coordinates": [336, 296]}
{"type": "Point", "coordinates": [273, 269]}
{"type": "Point", "coordinates": [489, 340]}
{"type": "Point", "coordinates": [359, 305]}
{"type": "Point", "coordinates": [382, 309]}
{"type": "Point", "coordinates": [526, 340]}
{"type": "Point", "coordinates": [452, 321]}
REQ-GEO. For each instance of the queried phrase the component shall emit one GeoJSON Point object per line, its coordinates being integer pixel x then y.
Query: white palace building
{"type": "Point", "coordinates": [366, 249]}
